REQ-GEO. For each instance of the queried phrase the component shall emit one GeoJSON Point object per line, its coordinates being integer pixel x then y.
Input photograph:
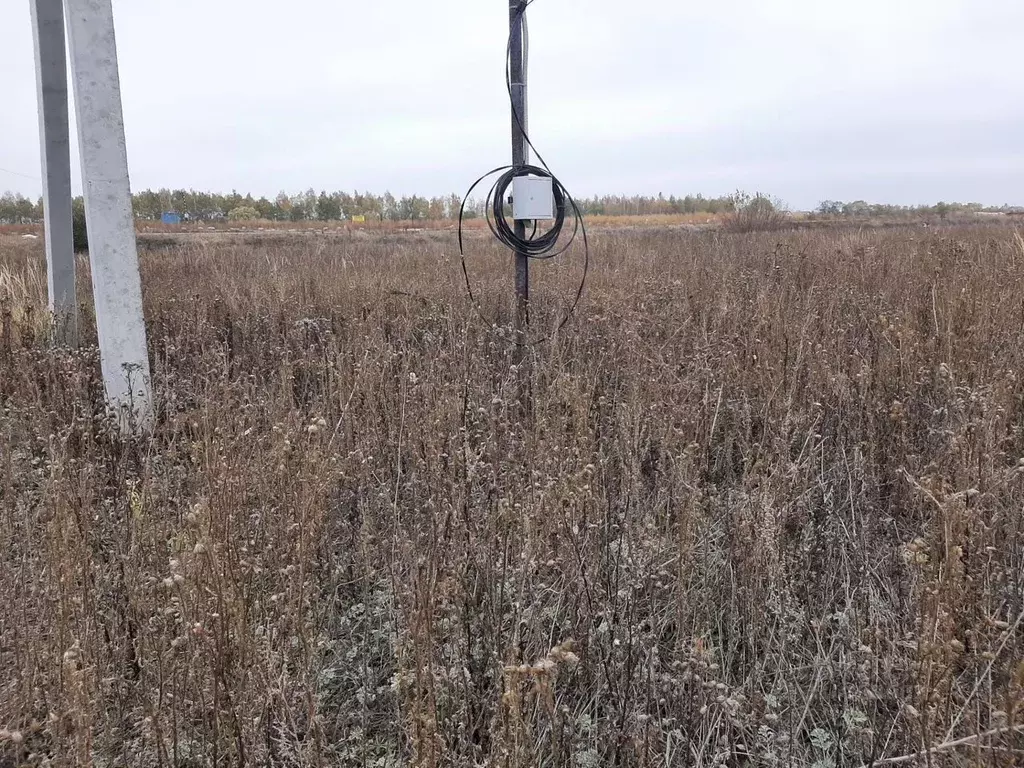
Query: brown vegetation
{"type": "Point", "coordinates": [208, 228]}
{"type": "Point", "coordinates": [766, 509]}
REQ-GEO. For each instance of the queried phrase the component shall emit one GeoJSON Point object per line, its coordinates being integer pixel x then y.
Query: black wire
{"type": "Point", "coordinates": [542, 246]}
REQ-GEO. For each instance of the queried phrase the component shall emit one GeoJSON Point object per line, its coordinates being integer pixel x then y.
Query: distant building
{"type": "Point", "coordinates": [169, 217]}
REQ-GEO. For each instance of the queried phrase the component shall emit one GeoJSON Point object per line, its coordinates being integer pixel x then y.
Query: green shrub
{"type": "Point", "coordinates": [756, 213]}
{"type": "Point", "coordinates": [79, 232]}
{"type": "Point", "coordinates": [243, 213]}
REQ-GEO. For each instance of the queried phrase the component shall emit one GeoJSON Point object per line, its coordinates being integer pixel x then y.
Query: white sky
{"type": "Point", "coordinates": [903, 101]}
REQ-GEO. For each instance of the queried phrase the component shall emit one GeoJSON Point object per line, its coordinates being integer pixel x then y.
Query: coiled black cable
{"type": "Point", "coordinates": [538, 244]}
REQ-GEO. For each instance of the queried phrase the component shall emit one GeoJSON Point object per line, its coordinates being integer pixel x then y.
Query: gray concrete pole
{"type": "Point", "coordinates": [113, 253]}
{"type": "Point", "coordinates": [519, 155]}
{"type": "Point", "coordinates": [55, 156]}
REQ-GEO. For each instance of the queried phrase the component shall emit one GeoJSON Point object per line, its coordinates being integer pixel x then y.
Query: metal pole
{"type": "Point", "coordinates": [55, 156]}
{"type": "Point", "coordinates": [113, 252]}
{"type": "Point", "coordinates": [518, 78]}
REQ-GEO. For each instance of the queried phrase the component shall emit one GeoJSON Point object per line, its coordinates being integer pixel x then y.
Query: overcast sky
{"type": "Point", "coordinates": [903, 101]}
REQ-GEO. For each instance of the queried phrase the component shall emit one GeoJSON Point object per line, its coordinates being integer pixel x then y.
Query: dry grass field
{"type": "Point", "coordinates": [766, 509]}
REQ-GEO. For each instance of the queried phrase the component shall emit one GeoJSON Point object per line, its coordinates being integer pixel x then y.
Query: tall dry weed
{"type": "Point", "coordinates": [766, 510]}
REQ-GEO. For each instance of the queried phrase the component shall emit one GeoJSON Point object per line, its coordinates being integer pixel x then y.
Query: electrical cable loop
{"type": "Point", "coordinates": [540, 245]}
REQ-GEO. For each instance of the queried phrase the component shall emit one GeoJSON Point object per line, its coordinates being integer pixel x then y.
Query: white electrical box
{"type": "Point", "coordinates": [532, 198]}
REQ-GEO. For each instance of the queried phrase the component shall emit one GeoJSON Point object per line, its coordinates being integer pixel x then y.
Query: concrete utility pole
{"type": "Point", "coordinates": [517, 73]}
{"type": "Point", "coordinates": [113, 253]}
{"type": "Point", "coordinates": [55, 152]}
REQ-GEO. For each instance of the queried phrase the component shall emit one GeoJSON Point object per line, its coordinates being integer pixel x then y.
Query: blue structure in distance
{"type": "Point", "coordinates": [168, 217]}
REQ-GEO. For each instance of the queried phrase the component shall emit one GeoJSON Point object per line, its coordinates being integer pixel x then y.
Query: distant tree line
{"type": "Point", "coordinates": [17, 209]}
{"type": "Point", "coordinates": [639, 205]}
{"type": "Point", "coordinates": [862, 209]}
{"type": "Point", "coordinates": [325, 206]}
{"type": "Point", "coordinates": [334, 206]}
{"type": "Point", "coordinates": [304, 206]}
